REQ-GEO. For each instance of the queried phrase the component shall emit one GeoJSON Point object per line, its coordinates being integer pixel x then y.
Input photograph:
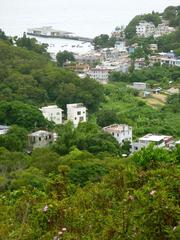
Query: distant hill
{"type": "Point", "coordinates": [171, 13]}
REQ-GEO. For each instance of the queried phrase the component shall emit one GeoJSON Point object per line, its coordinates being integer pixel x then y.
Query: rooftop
{"type": "Point", "coordinates": [75, 105]}
{"type": "Point", "coordinates": [116, 128]}
{"type": "Point", "coordinates": [154, 138]}
{"type": "Point", "coordinates": [40, 133]}
{"type": "Point", "coordinates": [50, 107]}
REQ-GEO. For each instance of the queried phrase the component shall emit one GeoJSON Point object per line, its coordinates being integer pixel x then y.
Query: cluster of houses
{"type": "Point", "coordinates": [98, 64]}
{"type": "Point", "coordinates": [148, 29]}
{"type": "Point", "coordinates": [77, 113]}
{"type": "Point", "coordinates": [103, 61]}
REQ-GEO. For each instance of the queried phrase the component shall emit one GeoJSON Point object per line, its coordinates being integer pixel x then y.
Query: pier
{"type": "Point", "coordinates": [49, 32]}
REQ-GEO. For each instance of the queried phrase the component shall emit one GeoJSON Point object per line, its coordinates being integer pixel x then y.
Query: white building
{"type": "Point", "coordinates": [145, 29]}
{"type": "Point", "coordinates": [91, 57]}
{"type": "Point", "coordinates": [99, 73]}
{"type": "Point", "coordinates": [139, 85]}
{"type": "Point", "coordinates": [53, 113]}
{"type": "Point", "coordinates": [163, 29]}
{"type": "Point", "coordinates": [40, 139]}
{"type": "Point", "coordinates": [121, 132]}
{"type": "Point", "coordinates": [121, 46]}
{"type": "Point", "coordinates": [3, 129]}
{"type": "Point", "coordinates": [76, 113]}
{"type": "Point", "coordinates": [159, 141]}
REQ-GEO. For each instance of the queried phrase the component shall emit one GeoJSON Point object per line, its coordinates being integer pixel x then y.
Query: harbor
{"type": "Point", "coordinates": [49, 32]}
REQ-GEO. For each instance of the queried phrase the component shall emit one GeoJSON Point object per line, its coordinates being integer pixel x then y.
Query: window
{"type": "Point", "coordinates": [81, 119]}
{"type": "Point", "coordinates": [79, 113]}
{"type": "Point", "coordinates": [57, 113]}
{"type": "Point", "coordinates": [39, 138]}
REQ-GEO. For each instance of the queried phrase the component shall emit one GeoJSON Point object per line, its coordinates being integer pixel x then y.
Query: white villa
{"type": "Point", "coordinates": [53, 113]}
{"type": "Point", "coordinates": [76, 113]}
{"type": "Point", "coordinates": [121, 132]}
{"type": "Point", "coordinates": [159, 141]}
{"type": "Point", "coordinates": [145, 29]}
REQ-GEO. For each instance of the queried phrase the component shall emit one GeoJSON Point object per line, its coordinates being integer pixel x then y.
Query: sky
{"type": "Point", "coordinates": [87, 17]}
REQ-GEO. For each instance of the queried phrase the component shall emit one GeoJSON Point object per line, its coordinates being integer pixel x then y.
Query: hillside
{"type": "Point", "coordinates": [85, 185]}
{"type": "Point", "coordinates": [172, 14]}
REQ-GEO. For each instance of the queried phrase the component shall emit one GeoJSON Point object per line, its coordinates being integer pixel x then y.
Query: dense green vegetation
{"type": "Point", "coordinates": [80, 187]}
{"type": "Point", "coordinates": [122, 105]}
{"type": "Point", "coordinates": [103, 41]}
{"type": "Point", "coordinates": [30, 77]}
{"type": "Point", "coordinates": [136, 198]}
{"type": "Point", "coordinates": [63, 57]}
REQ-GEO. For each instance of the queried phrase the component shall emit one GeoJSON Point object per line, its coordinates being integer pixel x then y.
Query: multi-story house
{"type": "Point", "coordinates": [76, 113]}
{"type": "Point", "coordinates": [145, 29]}
{"type": "Point", "coordinates": [53, 113]}
{"type": "Point", "coordinates": [121, 132]}
{"type": "Point", "coordinates": [158, 140]}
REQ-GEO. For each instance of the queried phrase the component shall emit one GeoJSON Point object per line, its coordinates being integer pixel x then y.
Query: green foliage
{"type": "Point", "coordinates": [32, 78]}
{"type": "Point", "coordinates": [104, 41]}
{"type": "Point", "coordinates": [172, 14]}
{"type": "Point", "coordinates": [15, 139]}
{"type": "Point", "coordinates": [32, 45]}
{"type": "Point", "coordinates": [63, 57]}
{"type": "Point", "coordinates": [21, 114]}
{"type": "Point", "coordinates": [169, 42]}
{"type": "Point", "coordinates": [107, 117]}
{"type": "Point", "coordinates": [87, 136]}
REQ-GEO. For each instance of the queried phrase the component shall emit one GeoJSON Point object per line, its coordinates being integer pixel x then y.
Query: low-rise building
{"type": "Point", "coordinates": [121, 46]}
{"type": "Point", "coordinates": [139, 85]}
{"type": "Point", "coordinates": [165, 58]}
{"type": "Point", "coordinates": [163, 29]}
{"type": "Point", "coordinates": [89, 58]}
{"type": "Point", "coordinates": [4, 129]}
{"type": "Point", "coordinates": [40, 139]}
{"type": "Point", "coordinates": [53, 113]}
{"type": "Point", "coordinates": [76, 113]}
{"type": "Point", "coordinates": [139, 63]}
{"type": "Point", "coordinates": [121, 132]}
{"type": "Point", "coordinates": [99, 73]}
{"type": "Point", "coordinates": [145, 29]}
{"type": "Point", "coordinates": [153, 47]}
{"type": "Point", "coordinates": [158, 140]}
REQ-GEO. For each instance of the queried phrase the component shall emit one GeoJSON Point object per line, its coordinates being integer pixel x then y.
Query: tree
{"type": "Point", "coordinates": [104, 41]}
{"type": "Point", "coordinates": [32, 45]}
{"type": "Point", "coordinates": [63, 57]}
{"type": "Point", "coordinates": [21, 114]}
{"type": "Point", "coordinates": [107, 117]}
{"type": "Point", "coordinates": [15, 139]}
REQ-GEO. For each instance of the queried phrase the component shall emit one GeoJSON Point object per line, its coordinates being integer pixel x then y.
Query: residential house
{"type": "Point", "coordinates": [139, 85]}
{"type": "Point", "coordinates": [40, 139]}
{"type": "Point", "coordinates": [159, 141]}
{"type": "Point", "coordinates": [145, 29]}
{"type": "Point", "coordinates": [53, 113]}
{"type": "Point", "coordinates": [76, 113]}
{"type": "Point", "coordinates": [100, 73]}
{"type": "Point", "coordinates": [121, 132]}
